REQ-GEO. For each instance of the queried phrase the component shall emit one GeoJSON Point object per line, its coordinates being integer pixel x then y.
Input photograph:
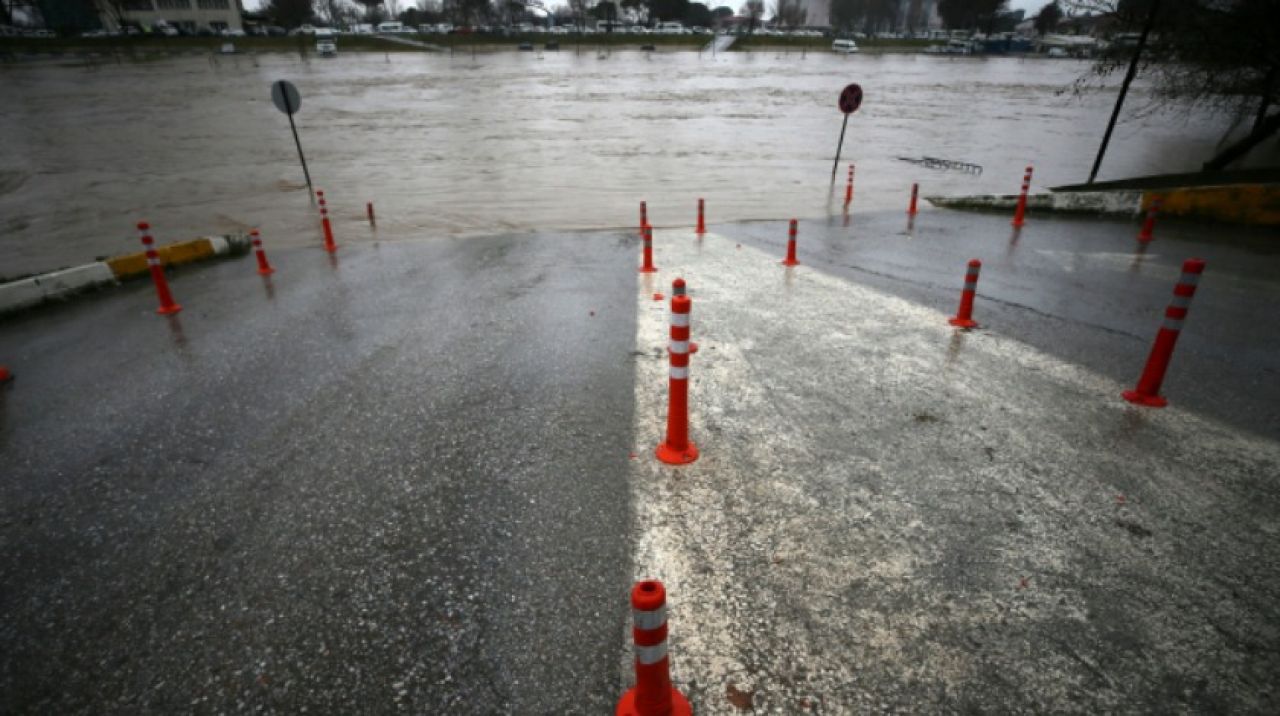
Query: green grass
{"type": "Point", "coordinates": [599, 39]}
{"type": "Point", "coordinates": [752, 42]}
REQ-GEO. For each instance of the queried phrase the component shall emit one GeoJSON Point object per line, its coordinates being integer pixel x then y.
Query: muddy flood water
{"type": "Point", "coordinates": [521, 141]}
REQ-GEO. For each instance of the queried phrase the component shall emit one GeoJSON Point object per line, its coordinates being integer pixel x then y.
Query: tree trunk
{"type": "Point", "coordinates": [1262, 131]}
{"type": "Point", "coordinates": [1265, 104]}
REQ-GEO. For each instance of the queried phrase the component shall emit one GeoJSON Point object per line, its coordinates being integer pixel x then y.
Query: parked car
{"type": "Point", "coordinates": [844, 47]}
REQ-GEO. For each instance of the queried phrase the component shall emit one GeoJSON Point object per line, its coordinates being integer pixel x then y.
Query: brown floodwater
{"type": "Point", "coordinates": [521, 141]}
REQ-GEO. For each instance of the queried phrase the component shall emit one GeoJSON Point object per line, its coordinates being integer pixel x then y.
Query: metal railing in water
{"type": "Point", "coordinates": [945, 164]}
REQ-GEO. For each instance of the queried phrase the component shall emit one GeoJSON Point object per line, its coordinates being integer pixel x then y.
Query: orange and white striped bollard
{"type": "Point", "coordinates": [1019, 214]}
{"type": "Point", "coordinates": [1149, 224]}
{"type": "Point", "coordinates": [648, 266]}
{"type": "Point", "coordinates": [264, 268]}
{"type": "Point", "coordinates": [702, 222]}
{"type": "Point", "coordinates": [1147, 392]}
{"type": "Point", "coordinates": [678, 288]}
{"type": "Point", "coordinates": [677, 449]}
{"type": "Point", "coordinates": [791, 260]}
{"type": "Point", "coordinates": [329, 245]}
{"type": "Point", "coordinates": [653, 694]}
{"type": "Point", "coordinates": [848, 188]}
{"type": "Point", "coordinates": [964, 316]}
{"type": "Point", "coordinates": [167, 304]}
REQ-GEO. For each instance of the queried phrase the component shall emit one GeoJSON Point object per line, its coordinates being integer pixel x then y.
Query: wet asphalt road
{"type": "Point", "coordinates": [394, 484]}
{"type": "Point", "coordinates": [399, 483]}
{"type": "Point", "coordinates": [891, 515]}
{"type": "Point", "coordinates": [1082, 290]}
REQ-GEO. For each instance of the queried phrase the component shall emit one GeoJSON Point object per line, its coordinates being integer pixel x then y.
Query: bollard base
{"type": "Point", "coordinates": [1150, 401]}
{"type": "Point", "coordinates": [963, 322]}
{"type": "Point", "coordinates": [266, 271]}
{"type": "Point", "coordinates": [167, 310]}
{"type": "Point", "coordinates": [627, 704]}
{"type": "Point", "coordinates": [648, 269]}
{"type": "Point", "coordinates": [788, 262]}
{"type": "Point", "coordinates": [672, 456]}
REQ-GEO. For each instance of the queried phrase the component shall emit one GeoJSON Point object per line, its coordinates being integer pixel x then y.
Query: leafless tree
{"type": "Point", "coordinates": [790, 13]}
{"type": "Point", "coordinates": [754, 9]}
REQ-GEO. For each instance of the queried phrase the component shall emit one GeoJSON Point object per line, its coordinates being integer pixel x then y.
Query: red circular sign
{"type": "Point", "coordinates": [851, 98]}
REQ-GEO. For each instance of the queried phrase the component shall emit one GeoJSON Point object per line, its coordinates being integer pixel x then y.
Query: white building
{"type": "Point", "coordinates": [914, 15]}
{"type": "Point", "coordinates": [819, 13]}
{"type": "Point", "coordinates": [187, 15]}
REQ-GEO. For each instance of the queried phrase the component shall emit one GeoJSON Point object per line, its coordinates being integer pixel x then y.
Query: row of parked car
{"type": "Point", "coordinates": [166, 30]}
{"type": "Point", "coordinates": [11, 31]}
{"type": "Point", "coordinates": [444, 28]}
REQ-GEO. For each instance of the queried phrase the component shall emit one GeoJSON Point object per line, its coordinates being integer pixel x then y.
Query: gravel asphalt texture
{"type": "Point", "coordinates": [418, 478]}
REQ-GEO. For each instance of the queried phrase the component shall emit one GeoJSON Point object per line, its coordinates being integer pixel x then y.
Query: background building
{"type": "Point", "coordinates": [189, 16]}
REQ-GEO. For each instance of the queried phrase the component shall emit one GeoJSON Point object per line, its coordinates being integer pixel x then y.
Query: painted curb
{"type": "Point", "coordinates": [183, 252]}
{"type": "Point", "coordinates": [34, 290]}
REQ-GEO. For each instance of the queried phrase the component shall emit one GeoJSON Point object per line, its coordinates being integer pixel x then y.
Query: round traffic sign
{"type": "Point", "coordinates": [851, 98]}
{"type": "Point", "coordinates": [285, 96]}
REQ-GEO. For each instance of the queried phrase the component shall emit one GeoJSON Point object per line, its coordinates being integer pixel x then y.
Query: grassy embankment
{"type": "Point", "coordinates": [141, 47]}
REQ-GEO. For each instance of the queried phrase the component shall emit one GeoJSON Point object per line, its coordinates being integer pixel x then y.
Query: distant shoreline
{"type": "Point", "coordinates": [12, 49]}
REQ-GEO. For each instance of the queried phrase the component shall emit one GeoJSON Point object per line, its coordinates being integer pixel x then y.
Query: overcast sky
{"type": "Point", "coordinates": [1031, 6]}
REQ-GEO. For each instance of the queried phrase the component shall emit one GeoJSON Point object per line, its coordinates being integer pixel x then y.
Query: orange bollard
{"type": "Point", "coordinates": [648, 266]}
{"type": "Point", "coordinates": [1147, 392]}
{"type": "Point", "coordinates": [790, 260]}
{"type": "Point", "coordinates": [653, 694]}
{"type": "Point", "coordinates": [848, 189]}
{"type": "Point", "coordinates": [324, 223]}
{"type": "Point", "coordinates": [702, 224]}
{"type": "Point", "coordinates": [915, 193]}
{"type": "Point", "coordinates": [264, 268]}
{"type": "Point", "coordinates": [677, 448]}
{"type": "Point", "coordinates": [167, 304]}
{"type": "Point", "coordinates": [1149, 224]}
{"type": "Point", "coordinates": [678, 289]}
{"type": "Point", "coordinates": [644, 216]}
{"type": "Point", "coordinates": [368, 209]}
{"type": "Point", "coordinates": [1019, 214]}
{"type": "Point", "coordinates": [964, 316]}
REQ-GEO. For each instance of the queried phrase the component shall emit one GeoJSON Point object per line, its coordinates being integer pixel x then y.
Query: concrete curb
{"type": "Point", "coordinates": [1114, 203]}
{"type": "Point", "coordinates": [65, 283]}
{"type": "Point", "coordinates": [1248, 204]}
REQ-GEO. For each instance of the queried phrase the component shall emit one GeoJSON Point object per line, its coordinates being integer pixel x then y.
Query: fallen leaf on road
{"type": "Point", "coordinates": [740, 699]}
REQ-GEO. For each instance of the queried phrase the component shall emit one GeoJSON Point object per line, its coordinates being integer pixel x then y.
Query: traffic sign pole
{"type": "Point", "coordinates": [839, 145]}
{"type": "Point", "coordinates": [302, 158]}
{"type": "Point", "coordinates": [287, 100]}
{"type": "Point", "coordinates": [849, 102]}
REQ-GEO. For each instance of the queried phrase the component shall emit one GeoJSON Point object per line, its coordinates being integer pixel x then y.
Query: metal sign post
{"type": "Point", "coordinates": [286, 98]}
{"type": "Point", "coordinates": [850, 100]}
